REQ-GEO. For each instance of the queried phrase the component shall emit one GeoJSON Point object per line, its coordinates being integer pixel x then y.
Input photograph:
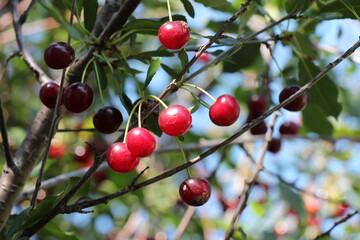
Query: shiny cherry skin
{"type": "Point", "coordinates": [59, 55]}
{"type": "Point", "coordinates": [48, 94]}
{"type": "Point", "coordinates": [78, 97]}
{"type": "Point", "coordinates": [289, 128]}
{"type": "Point", "coordinates": [225, 111]}
{"type": "Point", "coordinates": [174, 35]}
{"type": "Point", "coordinates": [175, 120]}
{"type": "Point", "coordinates": [107, 120]}
{"type": "Point", "coordinates": [120, 159]}
{"type": "Point", "coordinates": [257, 104]}
{"type": "Point", "coordinates": [274, 145]}
{"type": "Point", "coordinates": [195, 191]}
{"type": "Point", "coordinates": [298, 104]}
{"type": "Point", "coordinates": [141, 142]}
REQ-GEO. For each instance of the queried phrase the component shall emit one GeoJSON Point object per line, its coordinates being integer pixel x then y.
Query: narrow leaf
{"type": "Point", "coordinates": [153, 68]}
{"type": "Point", "coordinates": [90, 13]}
{"type": "Point", "coordinates": [124, 99]}
{"type": "Point", "coordinates": [100, 76]}
{"type": "Point", "coordinates": [202, 102]}
{"type": "Point", "coordinates": [189, 8]}
{"type": "Point", "coordinates": [183, 56]}
{"type": "Point", "coordinates": [297, 5]}
{"type": "Point", "coordinates": [351, 8]}
{"type": "Point", "coordinates": [316, 121]}
{"type": "Point", "coordinates": [169, 71]}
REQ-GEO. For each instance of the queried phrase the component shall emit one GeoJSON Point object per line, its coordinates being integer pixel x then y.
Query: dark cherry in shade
{"type": "Point", "coordinates": [274, 145]}
{"type": "Point", "coordinates": [107, 120]}
{"type": "Point", "coordinates": [141, 142]}
{"type": "Point", "coordinates": [120, 159]}
{"type": "Point", "coordinates": [174, 35]}
{"type": "Point", "coordinates": [298, 104]}
{"type": "Point", "coordinates": [59, 55]}
{"type": "Point", "coordinates": [257, 104]}
{"type": "Point", "coordinates": [78, 97]}
{"type": "Point", "coordinates": [225, 111]}
{"type": "Point", "coordinates": [259, 129]}
{"type": "Point", "coordinates": [175, 120]}
{"type": "Point", "coordinates": [290, 128]}
{"type": "Point", "coordinates": [48, 94]}
{"type": "Point", "coordinates": [195, 191]}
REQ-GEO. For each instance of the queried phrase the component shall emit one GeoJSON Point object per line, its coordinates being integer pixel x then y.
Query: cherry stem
{"type": "Point", "coordinates": [183, 155]}
{"type": "Point", "coordinates": [200, 89]}
{"type": "Point", "coordinates": [159, 100]}
{"type": "Point", "coordinates": [98, 82]}
{"type": "Point", "coordinates": [85, 70]}
{"type": "Point", "coordinates": [129, 120]}
{"type": "Point", "coordinates": [139, 113]}
{"type": "Point", "coordinates": [169, 9]}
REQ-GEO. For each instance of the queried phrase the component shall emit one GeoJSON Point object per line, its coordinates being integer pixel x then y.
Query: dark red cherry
{"type": "Point", "coordinates": [298, 104]}
{"type": "Point", "coordinates": [175, 120]}
{"type": "Point", "coordinates": [225, 111]}
{"type": "Point", "coordinates": [59, 55]}
{"type": "Point", "coordinates": [120, 159]}
{"type": "Point", "coordinates": [140, 142]}
{"type": "Point", "coordinates": [257, 104]}
{"type": "Point", "coordinates": [48, 94]}
{"type": "Point", "coordinates": [289, 128]}
{"type": "Point", "coordinates": [174, 35]}
{"type": "Point", "coordinates": [78, 97]}
{"type": "Point", "coordinates": [107, 120]}
{"type": "Point", "coordinates": [259, 129]}
{"type": "Point", "coordinates": [195, 191]}
{"type": "Point", "coordinates": [274, 145]}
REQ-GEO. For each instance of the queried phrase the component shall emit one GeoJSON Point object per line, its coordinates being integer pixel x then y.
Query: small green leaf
{"type": "Point", "coordinates": [351, 8]}
{"type": "Point", "coordinates": [158, 53]}
{"type": "Point", "coordinates": [221, 5]}
{"type": "Point", "coordinates": [338, 9]}
{"type": "Point", "coordinates": [169, 71]}
{"type": "Point", "coordinates": [229, 41]}
{"type": "Point", "coordinates": [292, 198]}
{"type": "Point", "coordinates": [303, 45]}
{"type": "Point", "coordinates": [243, 58]}
{"type": "Point", "coordinates": [189, 8]}
{"type": "Point", "coordinates": [199, 100]}
{"type": "Point", "coordinates": [153, 125]}
{"type": "Point", "coordinates": [183, 56]}
{"type": "Point", "coordinates": [54, 230]}
{"type": "Point", "coordinates": [153, 68]}
{"type": "Point", "coordinates": [90, 13]}
{"type": "Point", "coordinates": [297, 5]}
{"type": "Point", "coordinates": [124, 99]}
{"type": "Point", "coordinates": [100, 76]}
{"type": "Point", "coordinates": [79, 4]}
{"type": "Point", "coordinates": [16, 223]}
{"type": "Point", "coordinates": [316, 121]}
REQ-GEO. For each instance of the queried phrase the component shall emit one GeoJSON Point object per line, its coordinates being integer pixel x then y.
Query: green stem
{"type": "Point", "coordinates": [85, 70]}
{"type": "Point", "coordinates": [183, 155]}
{"type": "Point", "coordinates": [159, 100]}
{"type": "Point", "coordinates": [98, 82]}
{"type": "Point", "coordinates": [169, 9]}
{"type": "Point", "coordinates": [139, 114]}
{"type": "Point", "coordinates": [129, 120]}
{"type": "Point", "coordinates": [200, 89]}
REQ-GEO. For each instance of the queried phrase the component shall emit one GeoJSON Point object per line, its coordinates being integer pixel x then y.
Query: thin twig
{"type": "Point", "coordinates": [184, 222]}
{"type": "Point", "coordinates": [343, 220]}
{"type": "Point", "coordinates": [25, 14]}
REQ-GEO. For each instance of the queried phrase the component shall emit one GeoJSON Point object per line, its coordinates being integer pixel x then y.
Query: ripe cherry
{"type": "Point", "coordinates": [298, 103]}
{"type": "Point", "coordinates": [48, 94]}
{"type": "Point", "coordinates": [140, 142]}
{"type": "Point", "coordinates": [225, 111]}
{"type": "Point", "coordinates": [78, 97]}
{"type": "Point", "coordinates": [257, 104]}
{"type": "Point", "coordinates": [120, 159]}
{"type": "Point", "coordinates": [274, 145]}
{"type": "Point", "coordinates": [204, 57]}
{"type": "Point", "coordinates": [290, 128]}
{"type": "Point", "coordinates": [57, 151]}
{"type": "Point", "coordinates": [340, 210]}
{"type": "Point", "coordinates": [259, 129]}
{"type": "Point", "coordinates": [59, 55]}
{"type": "Point", "coordinates": [312, 205]}
{"type": "Point", "coordinates": [82, 154]}
{"type": "Point", "coordinates": [174, 35]}
{"type": "Point", "coordinates": [175, 120]}
{"type": "Point", "coordinates": [107, 120]}
{"type": "Point", "coordinates": [195, 191]}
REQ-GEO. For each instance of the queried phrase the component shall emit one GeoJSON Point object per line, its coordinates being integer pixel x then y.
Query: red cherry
{"type": "Point", "coordinates": [225, 111]}
{"type": "Point", "coordinates": [257, 104]}
{"type": "Point", "coordinates": [174, 35]}
{"type": "Point", "coordinates": [175, 120]}
{"type": "Point", "coordinates": [195, 191]}
{"type": "Point", "coordinates": [340, 210]}
{"type": "Point", "coordinates": [57, 151]}
{"type": "Point", "coordinates": [312, 220]}
{"type": "Point", "coordinates": [204, 57]}
{"type": "Point", "coordinates": [78, 97]}
{"type": "Point", "coordinates": [140, 142]}
{"type": "Point", "coordinates": [312, 205]}
{"type": "Point", "coordinates": [107, 120]}
{"type": "Point", "coordinates": [289, 128]}
{"type": "Point", "coordinates": [120, 159]}
{"type": "Point", "coordinates": [259, 129]}
{"type": "Point", "coordinates": [83, 154]}
{"type": "Point", "coordinates": [48, 94]}
{"type": "Point", "coordinates": [298, 103]}
{"type": "Point", "coordinates": [274, 145]}
{"type": "Point", "coordinates": [59, 55]}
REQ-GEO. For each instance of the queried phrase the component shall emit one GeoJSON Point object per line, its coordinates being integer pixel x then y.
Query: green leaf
{"type": "Point", "coordinates": [183, 56]}
{"type": "Point", "coordinates": [325, 93]}
{"type": "Point", "coordinates": [169, 71]}
{"type": "Point", "coordinates": [243, 58]}
{"type": "Point", "coordinates": [189, 8]}
{"type": "Point", "coordinates": [100, 76]}
{"type": "Point", "coordinates": [297, 5]}
{"type": "Point", "coordinates": [158, 53]}
{"type": "Point", "coordinates": [153, 125]}
{"type": "Point", "coordinates": [351, 8]}
{"type": "Point", "coordinates": [153, 68]}
{"type": "Point", "coordinates": [124, 99]}
{"type": "Point", "coordinates": [338, 9]}
{"type": "Point", "coordinates": [303, 45]}
{"type": "Point", "coordinates": [16, 223]}
{"type": "Point", "coordinates": [199, 100]}
{"type": "Point", "coordinates": [90, 13]}
{"type": "Point", "coordinates": [54, 230]}
{"type": "Point", "coordinates": [81, 193]}
{"type": "Point", "coordinates": [51, 9]}
{"type": "Point", "coordinates": [292, 198]}
{"type": "Point", "coordinates": [229, 41]}
{"type": "Point", "coordinates": [79, 4]}
{"type": "Point", "coordinates": [221, 5]}
{"type": "Point", "coordinates": [316, 121]}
